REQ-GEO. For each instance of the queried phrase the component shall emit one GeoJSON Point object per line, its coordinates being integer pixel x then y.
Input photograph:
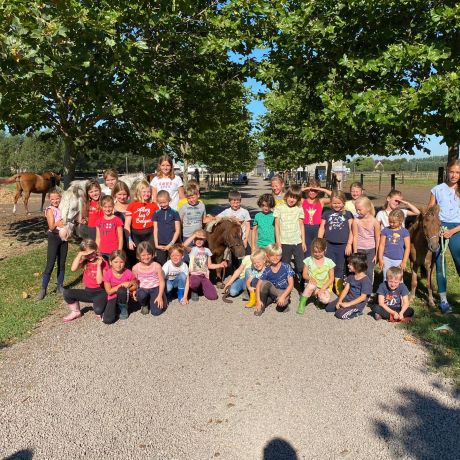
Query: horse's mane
{"type": "Point", "coordinates": [418, 223]}
{"type": "Point", "coordinates": [211, 225]}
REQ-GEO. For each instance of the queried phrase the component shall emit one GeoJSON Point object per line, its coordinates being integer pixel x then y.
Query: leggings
{"type": "Point", "coordinates": [295, 250]}
{"type": "Point", "coordinates": [370, 254]}
{"type": "Point", "coordinates": [142, 235]}
{"type": "Point", "coordinates": [345, 313]}
{"type": "Point", "coordinates": [336, 252]}
{"type": "Point", "coordinates": [148, 296]}
{"type": "Point", "coordinates": [454, 248]}
{"type": "Point", "coordinates": [269, 293]}
{"type": "Point", "coordinates": [96, 296]}
{"type": "Point", "coordinates": [111, 310]}
{"type": "Point", "coordinates": [57, 249]}
{"type": "Point", "coordinates": [378, 310]}
{"type": "Point", "coordinates": [209, 290]}
{"type": "Point", "coordinates": [311, 232]}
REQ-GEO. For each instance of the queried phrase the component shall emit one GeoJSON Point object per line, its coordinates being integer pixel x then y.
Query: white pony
{"type": "Point", "coordinates": [72, 199]}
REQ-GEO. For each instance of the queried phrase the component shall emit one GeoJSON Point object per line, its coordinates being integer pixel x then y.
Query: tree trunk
{"type": "Point", "coordinates": [185, 173]}
{"type": "Point", "coordinates": [328, 174]}
{"type": "Point", "coordinates": [70, 160]}
{"type": "Point", "coordinates": [453, 151]}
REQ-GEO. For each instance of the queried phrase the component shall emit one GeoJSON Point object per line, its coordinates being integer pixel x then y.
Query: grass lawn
{"type": "Point", "coordinates": [19, 274]}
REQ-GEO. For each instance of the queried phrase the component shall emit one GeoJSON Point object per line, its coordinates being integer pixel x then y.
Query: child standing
{"type": "Point", "coordinates": [318, 271]}
{"type": "Point", "coordinates": [138, 216]}
{"type": "Point", "coordinates": [289, 229]}
{"type": "Point", "coordinates": [93, 266]}
{"type": "Point", "coordinates": [57, 248]}
{"type": "Point", "coordinates": [313, 209]}
{"type": "Point", "coordinates": [395, 201]}
{"type": "Point", "coordinates": [356, 292]}
{"type": "Point", "coordinates": [151, 283]}
{"type": "Point", "coordinates": [109, 229]}
{"type": "Point", "coordinates": [277, 184]}
{"type": "Point", "coordinates": [393, 298]}
{"type": "Point", "coordinates": [394, 247]}
{"type": "Point", "coordinates": [192, 184]}
{"type": "Point", "coordinates": [356, 190]}
{"type": "Point", "coordinates": [118, 283]}
{"type": "Point", "coordinates": [366, 233]}
{"type": "Point", "coordinates": [176, 274]}
{"type": "Point", "coordinates": [200, 264]}
{"type": "Point", "coordinates": [275, 284]}
{"type": "Point", "coordinates": [91, 210]}
{"type": "Point", "coordinates": [120, 195]}
{"type": "Point", "coordinates": [336, 228]}
{"type": "Point", "coordinates": [263, 230]}
{"type": "Point", "coordinates": [192, 213]}
{"type": "Point", "coordinates": [166, 227]}
{"type": "Point", "coordinates": [110, 179]}
{"type": "Point", "coordinates": [167, 180]}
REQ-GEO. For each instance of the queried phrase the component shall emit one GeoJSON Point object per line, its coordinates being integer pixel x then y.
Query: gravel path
{"type": "Point", "coordinates": [211, 380]}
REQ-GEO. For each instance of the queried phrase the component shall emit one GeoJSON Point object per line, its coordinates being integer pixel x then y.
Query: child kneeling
{"type": "Point", "coordinates": [356, 292]}
{"type": "Point", "coordinates": [393, 298]}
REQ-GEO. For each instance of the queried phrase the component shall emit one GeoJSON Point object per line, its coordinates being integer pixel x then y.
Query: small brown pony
{"type": "Point", "coordinates": [424, 243]}
{"type": "Point", "coordinates": [29, 182]}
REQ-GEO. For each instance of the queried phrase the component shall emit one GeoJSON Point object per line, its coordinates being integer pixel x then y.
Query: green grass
{"type": "Point", "coordinates": [18, 316]}
{"type": "Point", "coordinates": [408, 181]}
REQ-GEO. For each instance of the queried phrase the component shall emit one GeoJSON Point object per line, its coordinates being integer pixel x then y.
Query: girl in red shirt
{"type": "Point", "coordinates": [138, 216]}
{"type": "Point", "coordinates": [109, 229]}
{"type": "Point", "coordinates": [91, 210]}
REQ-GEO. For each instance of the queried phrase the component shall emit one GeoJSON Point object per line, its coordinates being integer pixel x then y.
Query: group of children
{"type": "Point", "coordinates": [334, 250]}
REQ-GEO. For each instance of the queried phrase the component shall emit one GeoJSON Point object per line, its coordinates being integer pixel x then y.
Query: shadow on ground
{"type": "Point", "coordinates": [23, 454]}
{"type": "Point", "coordinates": [279, 449]}
{"type": "Point", "coordinates": [30, 231]}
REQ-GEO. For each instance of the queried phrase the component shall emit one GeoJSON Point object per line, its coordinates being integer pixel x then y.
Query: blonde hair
{"type": "Point", "coordinates": [138, 190]}
{"type": "Point", "coordinates": [366, 202]}
{"type": "Point", "coordinates": [259, 253]}
{"type": "Point", "coordinates": [200, 234]}
{"type": "Point", "coordinates": [395, 272]}
{"type": "Point", "coordinates": [396, 214]}
{"type": "Point", "coordinates": [273, 250]}
{"type": "Point", "coordinates": [392, 194]}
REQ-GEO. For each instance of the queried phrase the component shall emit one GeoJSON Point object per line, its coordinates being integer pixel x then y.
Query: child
{"type": "Point", "coordinates": [289, 229]}
{"type": "Point", "coordinates": [109, 229]}
{"type": "Point", "coordinates": [251, 268]}
{"type": "Point", "coordinates": [192, 214]}
{"type": "Point", "coordinates": [151, 283]}
{"type": "Point", "coordinates": [166, 179]}
{"type": "Point", "coordinates": [200, 264]}
{"type": "Point", "coordinates": [138, 217]}
{"type": "Point", "coordinates": [366, 233]}
{"type": "Point", "coordinates": [192, 183]}
{"type": "Point", "coordinates": [356, 292]}
{"type": "Point", "coordinates": [91, 210]}
{"type": "Point", "coordinates": [166, 227]}
{"type": "Point", "coordinates": [394, 247]}
{"type": "Point", "coordinates": [336, 228]}
{"type": "Point", "coordinates": [177, 274]}
{"type": "Point", "coordinates": [275, 284]}
{"type": "Point", "coordinates": [395, 201]}
{"type": "Point", "coordinates": [93, 266]}
{"type": "Point", "coordinates": [312, 210]}
{"type": "Point", "coordinates": [393, 298]}
{"type": "Point", "coordinates": [57, 248]}
{"type": "Point", "coordinates": [263, 230]}
{"type": "Point", "coordinates": [318, 271]}
{"type": "Point", "coordinates": [110, 179]}
{"type": "Point", "coordinates": [237, 212]}
{"type": "Point", "coordinates": [277, 184]}
{"type": "Point", "coordinates": [120, 195]}
{"type": "Point", "coordinates": [118, 283]}
{"type": "Point", "coordinates": [356, 190]}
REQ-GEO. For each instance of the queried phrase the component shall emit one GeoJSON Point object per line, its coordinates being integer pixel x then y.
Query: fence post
{"type": "Point", "coordinates": [362, 179]}
{"type": "Point", "coordinates": [393, 181]}
{"type": "Point", "coordinates": [380, 181]}
{"type": "Point", "coordinates": [440, 175]}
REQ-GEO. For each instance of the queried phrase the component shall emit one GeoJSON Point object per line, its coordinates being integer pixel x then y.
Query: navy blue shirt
{"type": "Point", "coordinates": [394, 242]}
{"type": "Point", "coordinates": [391, 298]}
{"type": "Point", "coordinates": [358, 287]}
{"type": "Point", "coordinates": [336, 228]}
{"type": "Point", "coordinates": [166, 222]}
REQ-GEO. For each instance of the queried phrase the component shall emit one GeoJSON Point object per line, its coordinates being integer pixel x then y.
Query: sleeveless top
{"type": "Point", "coordinates": [57, 216]}
{"type": "Point", "coordinates": [312, 212]}
{"type": "Point", "coordinates": [366, 236]}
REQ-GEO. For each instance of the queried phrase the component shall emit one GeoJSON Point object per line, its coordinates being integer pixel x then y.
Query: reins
{"type": "Point", "coordinates": [444, 246]}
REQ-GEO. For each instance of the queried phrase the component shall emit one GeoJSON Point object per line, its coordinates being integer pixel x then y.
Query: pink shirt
{"type": "Point", "coordinates": [366, 235]}
{"type": "Point", "coordinates": [109, 277]}
{"type": "Point", "coordinates": [57, 216]}
{"type": "Point", "coordinates": [312, 212]}
{"type": "Point", "coordinates": [90, 272]}
{"type": "Point", "coordinates": [148, 275]}
{"type": "Point", "coordinates": [109, 234]}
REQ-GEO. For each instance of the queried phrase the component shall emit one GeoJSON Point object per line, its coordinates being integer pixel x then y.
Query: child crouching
{"type": "Point", "coordinates": [393, 298]}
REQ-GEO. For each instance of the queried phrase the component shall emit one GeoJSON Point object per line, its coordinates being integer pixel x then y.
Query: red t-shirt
{"type": "Point", "coordinates": [141, 214]}
{"type": "Point", "coordinates": [90, 272]}
{"type": "Point", "coordinates": [94, 213]}
{"type": "Point", "coordinates": [109, 234]}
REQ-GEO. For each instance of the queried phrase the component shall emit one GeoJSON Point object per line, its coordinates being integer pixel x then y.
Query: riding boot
{"type": "Point", "coordinates": [338, 285]}
{"type": "Point", "coordinates": [302, 304]}
{"type": "Point", "coordinates": [42, 293]}
{"type": "Point", "coordinates": [74, 312]}
{"type": "Point", "coordinates": [252, 300]}
{"type": "Point", "coordinates": [180, 294]}
{"type": "Point", "coordinates": [45, 280]}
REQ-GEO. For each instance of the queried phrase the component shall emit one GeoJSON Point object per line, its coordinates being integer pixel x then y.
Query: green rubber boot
{"type": "Point", "coordinates": [302, 304]}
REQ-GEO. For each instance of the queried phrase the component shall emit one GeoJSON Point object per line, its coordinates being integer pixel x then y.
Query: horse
{"type": "Point", "coordinates": [29, 182]}
{"type": "Point", "coordinates": [225, 240]}
{"type": "Point", "coordinates": [424, 243]}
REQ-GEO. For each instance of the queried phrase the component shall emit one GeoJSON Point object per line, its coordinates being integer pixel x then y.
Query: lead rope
{"type": "Point", "coordinates": [444, 246]}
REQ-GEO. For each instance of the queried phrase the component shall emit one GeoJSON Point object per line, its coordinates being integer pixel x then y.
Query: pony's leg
{"type": "Point", "coordinates": [43, 201]}
{"type": "Point", "coordinates": [429, 265]}
{"type": "Point", "coordinates": [413, 284]}
{"type": "Point", "coordinates": [26, 202]}
{"type": "Point", "coordinates": [16, 198]}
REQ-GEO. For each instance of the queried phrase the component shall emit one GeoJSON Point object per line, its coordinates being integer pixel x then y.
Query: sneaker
{"type": "Point", "coordinates": [355, 314]}
{"type": "Point", "coordinates": [145, 310]}
{"type": "Point", "coordinates": [445, 307]}
{"type": "Point", "coordinates": [195, 297]}
{"type": "Point", "coordinates": [377, 317]}
{"type": "Point", "coordinates": [123, 311]}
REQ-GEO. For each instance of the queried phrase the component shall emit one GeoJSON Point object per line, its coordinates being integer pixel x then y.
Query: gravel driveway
{"type": "Point", "coordinates": [211, 380]}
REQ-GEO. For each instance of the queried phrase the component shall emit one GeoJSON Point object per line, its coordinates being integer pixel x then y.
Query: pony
{"type": "Point", "coordinates": [424, 243]}
{"type": "Point", "coordinates": [225, 240]}
{"type": "Point", "coordinates": [29, 182]}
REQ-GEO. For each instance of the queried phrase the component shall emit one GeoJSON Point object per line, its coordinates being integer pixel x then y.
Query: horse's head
{"type": "Point", "coordinates": [431, 227]}
{"type": "Point", "coordinates": [233, 238]}
{"type": "Point", "coordinates": [71, 202]}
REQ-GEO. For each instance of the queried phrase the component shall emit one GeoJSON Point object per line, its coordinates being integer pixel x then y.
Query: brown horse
{"type": "Point", "coordinates": [29, 182]}
{"type": "Point", "coordinates": [224, 238]}
{"type": "Point", "coordinates": [424, 242]}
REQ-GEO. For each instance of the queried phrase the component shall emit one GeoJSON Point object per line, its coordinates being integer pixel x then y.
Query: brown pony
{"type": "Point", "coordinates": [224, 239]}
{"type": "Point", "coordinates": [29, 182]}
{"type": "Point", "coordinates": [424, 243]}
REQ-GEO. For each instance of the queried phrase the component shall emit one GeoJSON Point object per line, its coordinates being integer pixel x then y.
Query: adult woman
{"type": "Point", "coordinates": [447, 196]}
{"type": "Point", "coordinates": [165, 179]}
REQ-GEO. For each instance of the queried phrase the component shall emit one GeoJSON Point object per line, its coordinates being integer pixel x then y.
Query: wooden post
{"type": "Point", "coordinates": [362, 179]}
{"type": "Point", "coordinates": [440, 175]}
{"type": "Point", "coordinates": [380, 181]}
{"type": "Point", "coordinates": [393, 181]}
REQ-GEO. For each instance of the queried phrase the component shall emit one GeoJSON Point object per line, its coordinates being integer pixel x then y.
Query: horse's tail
{"type": "Point", "coordinates": [11, 179]}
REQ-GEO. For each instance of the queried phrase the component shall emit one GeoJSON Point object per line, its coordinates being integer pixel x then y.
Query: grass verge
{"type": "Point", "coordinates": [22, 274]}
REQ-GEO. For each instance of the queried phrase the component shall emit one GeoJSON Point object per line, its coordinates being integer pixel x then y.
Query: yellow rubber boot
{"type": "Point", "coordinates": [252, 300]}
{"type": "Point", "coordinates": [338, 284]}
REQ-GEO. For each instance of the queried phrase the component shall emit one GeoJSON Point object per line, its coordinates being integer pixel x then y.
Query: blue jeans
{"type": "Point", "coordinates": [454, 248]}
{"type": "Point", "coordinates": [178, 282]}
{"type": "Point", "coordinates": [238, 286]}
{"type": "Point", "coordinates": [148, 296]}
